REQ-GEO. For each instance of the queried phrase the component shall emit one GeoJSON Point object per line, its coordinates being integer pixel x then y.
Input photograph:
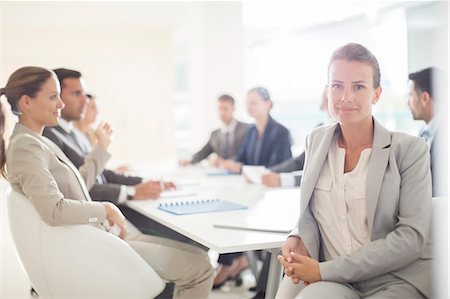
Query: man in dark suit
{"type": "Point", "coordinates": [225, 141]}
{"type": "Point", "coordinates": [424, 106]}
{"type": "Point", "coordinates": [110, 186]}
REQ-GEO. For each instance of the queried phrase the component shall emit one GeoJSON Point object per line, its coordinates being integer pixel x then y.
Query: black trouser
{"type": "Point", "coordinates": [227, 259]}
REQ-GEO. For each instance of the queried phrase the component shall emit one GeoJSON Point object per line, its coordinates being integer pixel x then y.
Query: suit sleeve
{"type": "Point", "coordinates": [105, 192]}
{"type": "Point", "coordinates": [110, 191]}
{"type": "Point", "coordinates": [203, 153]}
{"type": "Point", "coordinates": [240, 157]}
{"type": "Point", "coordinates": [290, 165]}
{"type": "Point", "coordinates": [28, 165]}
{"type": "Point", "coordinates": [94, 163]}
{"type": "Point", "coordinates": [406, 243]}
{"type": "Point", "coordinates": [117, 178]}
{"type": "Point", "coordinates": [282, 150]}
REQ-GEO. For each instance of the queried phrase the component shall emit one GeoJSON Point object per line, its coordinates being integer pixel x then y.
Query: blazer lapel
{"type": "Point", "coordinates": [63, 158]}
{"type": "Point", "coordinates": [316, 159]}
{"type": "Point", "coordinates": [377, 167]}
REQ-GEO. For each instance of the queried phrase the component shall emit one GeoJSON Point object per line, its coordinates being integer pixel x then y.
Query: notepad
{"type": "Point", "coordinates": [199, 206]}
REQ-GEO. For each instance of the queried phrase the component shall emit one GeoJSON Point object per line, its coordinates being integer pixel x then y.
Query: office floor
{"type": "Point", "coordinates": [14, 284]}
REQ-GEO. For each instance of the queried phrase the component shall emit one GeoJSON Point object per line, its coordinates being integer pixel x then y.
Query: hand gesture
{"type": "Point", "coordinates": [115, 217]}
{"type": "Point", "coordinates": [103, 135]}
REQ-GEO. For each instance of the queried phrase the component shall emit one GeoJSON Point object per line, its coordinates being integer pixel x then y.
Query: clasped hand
{"type": "Point", "coordinates": [297, 263]}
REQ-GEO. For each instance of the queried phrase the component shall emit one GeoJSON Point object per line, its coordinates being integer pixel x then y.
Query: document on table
{"type": "Point", "coordinates": [254, 173]}
{"type": "Point", "coordinates": [185, 207]}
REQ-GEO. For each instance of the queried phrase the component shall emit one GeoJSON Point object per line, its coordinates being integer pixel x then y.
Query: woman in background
{"type": "Point", "coordinates": [267, 142]}
{"type": "Point", "coordinates": [87, 126]}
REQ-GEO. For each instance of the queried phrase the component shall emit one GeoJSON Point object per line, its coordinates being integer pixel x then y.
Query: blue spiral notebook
{"type": "Point", "coordinates": [199, 206]}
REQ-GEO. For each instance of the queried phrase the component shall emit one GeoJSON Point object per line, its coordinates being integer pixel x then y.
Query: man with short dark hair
{"type": "Point", "coordinates": [110, 186]}
{"type": "Point", "coordinates": [423, 105]}
{"type": "Point", "coordinates": [226, 140]}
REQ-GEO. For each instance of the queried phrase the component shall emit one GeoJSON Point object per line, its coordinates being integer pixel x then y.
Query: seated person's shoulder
{"type": "Point", "coordinates": [317, 131]}
{"type": "Point", "coordinates": [25, 142]}
{"type": "Point", "coordinates": [402, 142]}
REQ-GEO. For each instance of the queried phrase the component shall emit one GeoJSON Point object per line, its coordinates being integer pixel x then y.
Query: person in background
{"type": "Point", "coordinates": [365, 210]}
{"type": "Point", "coordinates": [110, 186]}
{"type": "Point", "coordinates": [423, 104]}
{"type": "Point", "coordinates": [86, 126]}
{"type": "Point", "coordinates": [267, 142]}
{"type": "Point", "coordinates": [225, 141]}
{"type": "Point", "coordinates": [38, 169]}
{"type": "Point", "coordinates": [286, 174]}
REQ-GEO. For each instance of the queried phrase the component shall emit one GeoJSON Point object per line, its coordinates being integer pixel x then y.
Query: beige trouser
{"type": "Point", "coordinates": [187, 266]}
{"type": "Point", "coordinates": [384, 286]}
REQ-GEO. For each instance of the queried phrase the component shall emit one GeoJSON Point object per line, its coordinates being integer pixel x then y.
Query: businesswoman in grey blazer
{"type": "Point", "coordinates": [37, 168]}
{"type": "Point", "coordinates": [364, 227]}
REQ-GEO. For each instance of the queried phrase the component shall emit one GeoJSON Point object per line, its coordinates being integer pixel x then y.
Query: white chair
{"type": "Point", "coordinates": [77, 261]}
{"type": "Point", "coordinates": [440, 247]}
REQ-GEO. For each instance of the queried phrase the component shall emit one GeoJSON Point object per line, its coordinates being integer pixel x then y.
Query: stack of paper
{"type": "Point", "coordinates": [254, 173]}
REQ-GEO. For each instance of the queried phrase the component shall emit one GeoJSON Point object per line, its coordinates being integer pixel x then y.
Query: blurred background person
{"type": "Point", "coordinates": [87, 126]}
{"type": "Point", "coordinates": [225, 141]}
{"type": "Point", "coordinates": [287, 173]}
{"type": "Point", "coordinates": [422, 103]}
{"type": "Point", "coordinates": [267, 142]}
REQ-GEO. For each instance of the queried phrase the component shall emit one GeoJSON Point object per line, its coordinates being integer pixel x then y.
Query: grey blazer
{"type": "Point", "coordinates": [291, 165]}
{"type": "Point", "coordinates": [214, 144]}
{"type": "Point", "coordinates": [398, 198]}
{"type": "Point", "coordinates": [38, 169]}
{"type": "Point", "coordinates": [108, 184]}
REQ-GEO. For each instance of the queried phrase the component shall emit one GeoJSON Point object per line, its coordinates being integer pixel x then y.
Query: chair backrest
{"type": "Point", "coordinates": [440, 247]}
{"type": "Point", "coordinates": [77, 260]}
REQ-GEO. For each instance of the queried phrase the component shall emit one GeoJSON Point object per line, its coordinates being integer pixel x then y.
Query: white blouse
{"type": "Point", "coordinates": [339, 203]}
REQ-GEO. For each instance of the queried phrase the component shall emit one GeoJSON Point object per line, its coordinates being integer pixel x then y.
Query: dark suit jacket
{"type": "Point", "coordinates": [108, 183]}
{"type": "Point", "coordinates": [294, 164]}
{"type": "Point", "coordinates": [275, 145]}
{"type": "Point", "coordinates": [214, 144]}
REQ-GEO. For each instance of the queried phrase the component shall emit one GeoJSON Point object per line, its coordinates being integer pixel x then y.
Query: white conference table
{"type": "Point", "coordinates": [264, 203]}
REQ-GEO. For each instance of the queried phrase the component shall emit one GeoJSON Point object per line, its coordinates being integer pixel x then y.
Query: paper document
{"type": "Point", "coordinates": [254, 173]}
{"type": "Point", "coordinates": [186, 207]}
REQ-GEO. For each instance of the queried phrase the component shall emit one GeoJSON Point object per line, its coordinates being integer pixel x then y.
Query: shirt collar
{"type": "Point", "coordinates": [433, 125]}
{"type": "Point", "coordinates": [230, 127]}
{"type": "Point", "coordinates": [65, 125]}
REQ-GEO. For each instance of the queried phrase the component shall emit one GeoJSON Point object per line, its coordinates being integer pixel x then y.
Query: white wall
{"type": "Point", "coordinates": [126, 54]}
